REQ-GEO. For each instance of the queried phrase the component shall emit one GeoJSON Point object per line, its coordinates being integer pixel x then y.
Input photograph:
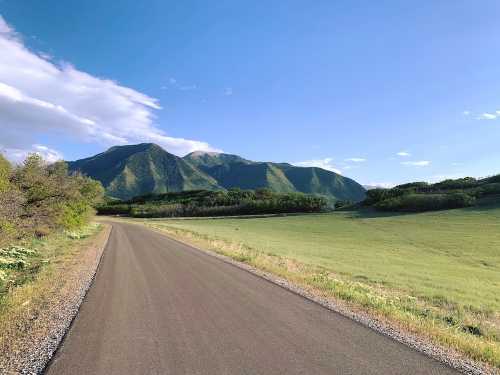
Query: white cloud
{"type": "Point", "coordinates": [4, 27]}
{"type": "Point", "coordinates": [18, 155]}
{"type": "Point", "coordinates": [403, 154]}
{"type": "Point", "coordinates": [487, 116]}
{"type": "Point", "coordinates": [384, 185]}
{"type": "Point", "coordinates": [38, 97]}
{"type": "Point", "coordinates": [228, 91]}
{"type": "Point", "coordinates": [466, 113]}
{"type": "Point", "coordinates": [326, 163]}
{"type": "Point", "coordinates": [421, 163]}
{"type": "Point", "coordinates": [442, 177]}
{"type": "Point", "coordinates": [356, 160]}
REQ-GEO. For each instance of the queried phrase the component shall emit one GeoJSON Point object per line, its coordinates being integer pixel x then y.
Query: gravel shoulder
{"type": "Point", "coordinates": [41, 322]}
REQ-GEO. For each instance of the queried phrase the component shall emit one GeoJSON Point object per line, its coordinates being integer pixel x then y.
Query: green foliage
{"type": "Point", "coordinates": [421, 196]}
{"type": "Point", "coordinates": [343, 204]}
{"type": "Point", "coordinates": [215, 203]}
{"type": "Point", "coordinates": [133, 170]}
{"type": "Point", "coordinates": [5, 171]}
{"type": "Point", "coordinates": [15, 257]}
{"type": "Point", "coordinates": [39, 198]}
{"type": "Point", "coordinates": [425, 202]}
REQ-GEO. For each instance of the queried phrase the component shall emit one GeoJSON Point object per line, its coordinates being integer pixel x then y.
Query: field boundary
{"type": "Point", "coordinates": [442, 354]}
{"type": "Point", "coordinates": [32, 350]}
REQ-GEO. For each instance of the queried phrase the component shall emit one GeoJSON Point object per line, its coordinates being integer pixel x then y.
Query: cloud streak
{"type": "Point", "coordinates": [39, 97]}
{"type": "Point", "coordinates": [421, 163]}
{"type": "Point", "coordinates": [489, 116]}
{"type": "Point", "coordinates": [403, 154]}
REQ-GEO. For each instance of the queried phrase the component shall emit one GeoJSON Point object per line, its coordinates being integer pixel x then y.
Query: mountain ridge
{"type": "Point", "coordinates": [131, 170]}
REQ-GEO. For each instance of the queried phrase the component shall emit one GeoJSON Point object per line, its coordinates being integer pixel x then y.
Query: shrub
{"type": "Point", "coordinates": [425, 202]}
{"type": "Point", "coordinates": [37, 198]}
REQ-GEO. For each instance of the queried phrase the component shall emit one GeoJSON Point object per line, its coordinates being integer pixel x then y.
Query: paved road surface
{"type": "Point", "coordinates": [160, 307]}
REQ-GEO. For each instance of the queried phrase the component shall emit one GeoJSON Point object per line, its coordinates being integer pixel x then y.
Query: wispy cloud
{"type": "Point", "coordinates": [174, 84]}
{"type": "Point", "coordinates": [403, 154]}
{"type": "Point", "coordinates": [228, 91]}
{"type": "Point", "coordinates": [384, 185]}
{"type": "Point", "coordinates": [355, 160]}
{"type": "Point", "coordinates": [38, 97]}
{"type": "Point", "coordinates": [466, 113]}
{"type": "Point", "coordinates": [420, 163]}
{"type": "Point", "coordinates": [489, 116]}
{"type": "Point", "coordinates": [18, 155]}
{"type": "Point", "coordinates": [326, 163]}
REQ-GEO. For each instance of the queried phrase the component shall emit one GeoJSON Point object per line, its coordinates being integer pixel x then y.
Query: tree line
{"type": "Point", "coordinates": [38, 198]}
{"type": "Point", "coordinates": [423, 196]}
{"type": "Point", "coordinates": [214, 203]}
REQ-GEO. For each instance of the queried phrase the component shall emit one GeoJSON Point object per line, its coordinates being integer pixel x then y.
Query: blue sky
{"type": "Point", "coordinates": [385, 92]}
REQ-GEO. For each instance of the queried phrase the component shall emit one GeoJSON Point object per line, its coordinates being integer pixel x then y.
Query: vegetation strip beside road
{"type": "Point", "coordinates": [391, 267]}
{"type": "Point", "coordinates": [35, 315]}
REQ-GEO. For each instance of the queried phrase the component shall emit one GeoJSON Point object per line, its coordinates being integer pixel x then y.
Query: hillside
{"type": "Point", "coordinates": [233, 171]}
{"type": "Point", "coordinates": [128, 171]}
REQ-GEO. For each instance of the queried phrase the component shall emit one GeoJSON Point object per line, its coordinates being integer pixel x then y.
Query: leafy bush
{"type": "Point", "coordinates": [425, 202]}
{"type": "Point", "coordinates": [37, 198]}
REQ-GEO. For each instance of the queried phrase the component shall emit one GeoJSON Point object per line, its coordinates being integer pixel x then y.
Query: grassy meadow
{"type": "Point", "coordinates": [436, 274]}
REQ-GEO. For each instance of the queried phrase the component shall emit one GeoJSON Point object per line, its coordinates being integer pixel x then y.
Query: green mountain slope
{"type": "Point", "coordinates": [233, 171]}
{"type": "Point", "coordinates": [128, 171]}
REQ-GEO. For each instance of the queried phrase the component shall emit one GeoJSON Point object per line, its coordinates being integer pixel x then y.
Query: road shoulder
{"type": "Point", "coordinates": [46, 308]}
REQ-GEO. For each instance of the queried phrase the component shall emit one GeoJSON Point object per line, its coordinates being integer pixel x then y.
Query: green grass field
{"type": "Point", "coordinates": [448, 262]}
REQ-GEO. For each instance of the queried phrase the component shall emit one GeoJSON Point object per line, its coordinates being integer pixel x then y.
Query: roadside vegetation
{"type": "Point", "coordinates": [434, 274]}
{"type": "Point", "coordinates": [422, 196]}
{"type": "Point", "coordinates": [43, 209]}
{"type": "Point", "coordinates": [214, 203]}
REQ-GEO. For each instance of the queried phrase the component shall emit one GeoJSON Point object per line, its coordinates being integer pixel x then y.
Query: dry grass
{"type": "Point", "coordinates": [30, 289]}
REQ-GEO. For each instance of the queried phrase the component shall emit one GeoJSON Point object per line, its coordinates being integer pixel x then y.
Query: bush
{"type": "Point", "coordinates": [425, 202]}
{"type": "Point", "coordinates": [37, 198]}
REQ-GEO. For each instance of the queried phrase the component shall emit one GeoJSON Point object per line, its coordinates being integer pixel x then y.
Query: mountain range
{"type": "Point", "coordinates": [132, 170]}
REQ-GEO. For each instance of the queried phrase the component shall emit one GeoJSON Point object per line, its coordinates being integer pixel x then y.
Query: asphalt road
{"type": "Point", "coordinates": [161, 307]}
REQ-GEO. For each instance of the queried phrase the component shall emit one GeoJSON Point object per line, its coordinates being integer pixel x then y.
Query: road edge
{"type": "Point", "coordinates": [37, 350]}
{"type": "Point", "coordinates": [443, 355]}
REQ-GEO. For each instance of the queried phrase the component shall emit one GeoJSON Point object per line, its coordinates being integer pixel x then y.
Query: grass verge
{"type": "Point", "coordinates": [434, 275]}
{"type": "Point", "coordinates": [32, 273]}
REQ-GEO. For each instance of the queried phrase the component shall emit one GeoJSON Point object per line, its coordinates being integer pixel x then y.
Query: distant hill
{"type": "Point", "coordinates": [232, 171]}
{"type": "Point", "coordinates": [128, 171]}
